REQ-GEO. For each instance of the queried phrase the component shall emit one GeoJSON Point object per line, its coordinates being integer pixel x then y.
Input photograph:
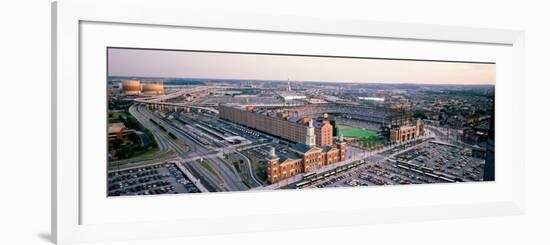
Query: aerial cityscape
{"type": "Point", "coordinates": [196, 122]}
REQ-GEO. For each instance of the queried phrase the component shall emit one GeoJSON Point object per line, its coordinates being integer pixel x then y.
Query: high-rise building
{"type": "Point", "coordinates": [288, 88]}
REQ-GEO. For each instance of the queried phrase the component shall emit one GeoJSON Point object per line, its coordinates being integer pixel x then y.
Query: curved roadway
{"type": "Point", "coordinates": [225, 176]}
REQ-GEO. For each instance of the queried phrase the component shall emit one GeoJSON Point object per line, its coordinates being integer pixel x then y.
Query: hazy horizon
{"type": "Point", "coordinates": [208, 79]}
{"type": "Point", "coordinates": [241, 66]}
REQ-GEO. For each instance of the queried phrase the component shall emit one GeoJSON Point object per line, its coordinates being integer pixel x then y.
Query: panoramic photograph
{"type": "Point", "coordinates": [182, 121]}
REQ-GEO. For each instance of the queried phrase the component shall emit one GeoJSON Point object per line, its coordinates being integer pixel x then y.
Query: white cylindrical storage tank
{"type": "Point", "coordinates": [153, 88]}
{"type": "Point", "coordinates": [131, 86]}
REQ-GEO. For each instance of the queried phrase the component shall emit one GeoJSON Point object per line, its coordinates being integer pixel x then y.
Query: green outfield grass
{"type": "Point", "coordinates": [348, 131]}
{"type": "Point", "coordinates": [364, 138]}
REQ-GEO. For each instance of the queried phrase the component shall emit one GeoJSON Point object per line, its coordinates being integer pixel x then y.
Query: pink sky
{"type": "Point", "coordinates": [162, 63]}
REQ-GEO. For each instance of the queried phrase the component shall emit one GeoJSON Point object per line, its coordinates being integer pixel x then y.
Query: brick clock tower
{"type": "Point", "coordinates": [341, 145]}
{"type": "Point", "coordinates": [272, 166]}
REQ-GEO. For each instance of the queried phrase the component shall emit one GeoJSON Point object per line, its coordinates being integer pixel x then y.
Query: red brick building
{"type": "Point", "coordinates": [402, 133]}
{"type": "Point", "coordinates": [323, 132]}
{"type": "Point", "coordinates": [279, 123]}
{"type": "Point", "coordinates": [303, 159]}
{"type": "Point", "coordinates": [314, 146]}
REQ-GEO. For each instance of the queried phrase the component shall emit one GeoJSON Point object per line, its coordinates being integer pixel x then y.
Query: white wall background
{"type": "Point", "coordinates": [25, 122]}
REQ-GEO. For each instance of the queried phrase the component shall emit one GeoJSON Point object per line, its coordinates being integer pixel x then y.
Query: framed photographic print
{"type": "Point", "coordinates": [179, 122]}
{"type": "Point", "coordinates": [184, 121]}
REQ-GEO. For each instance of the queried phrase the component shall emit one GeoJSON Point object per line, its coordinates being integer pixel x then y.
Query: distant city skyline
{"type": "Point", "coordinates": [216, 65]}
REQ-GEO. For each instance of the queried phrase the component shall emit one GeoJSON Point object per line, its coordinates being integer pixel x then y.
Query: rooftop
{"type": "Point", "coordinates": [116, 127]}
{"type": "Point", "coordinates": [301, 147]}
{"type": "Point", "coordinates": [288, 155]}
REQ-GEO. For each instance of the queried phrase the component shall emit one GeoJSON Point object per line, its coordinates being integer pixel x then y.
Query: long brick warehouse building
{"type": "Point", "coordinates": [314, 146]}
{"type": "Point", "coordinates": [280, 124]}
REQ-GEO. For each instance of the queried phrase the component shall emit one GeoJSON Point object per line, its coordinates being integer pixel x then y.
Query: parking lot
{"type": "Point", "coordinates": [401, 147]}
{"type": "Point", "coordinates": [156, 179]}
{"type": "Point", "coordinates": [374, 174]}
{"type": "Point", "coordinates": [445, 158]}
{"type": "Point", "coordinates": [431, 162]}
